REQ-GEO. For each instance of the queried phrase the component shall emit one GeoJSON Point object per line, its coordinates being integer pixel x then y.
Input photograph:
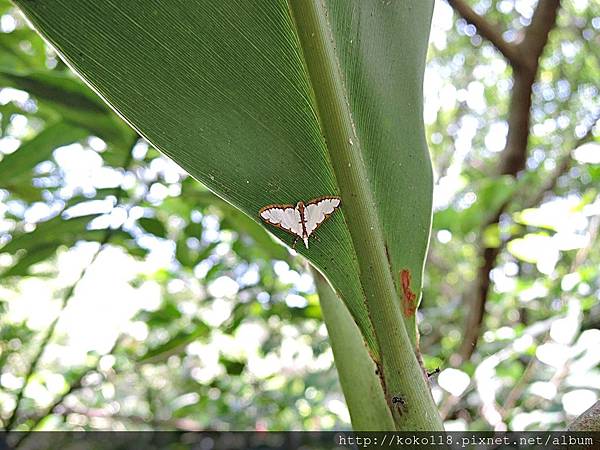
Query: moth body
{"type": "Point", "coordinates": [300, 220]}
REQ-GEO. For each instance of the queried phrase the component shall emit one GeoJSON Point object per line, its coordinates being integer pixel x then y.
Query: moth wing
{"type": "Point", "coordinates": [317, 211]}
{"type": "Point", "coordinates": [285, 217]}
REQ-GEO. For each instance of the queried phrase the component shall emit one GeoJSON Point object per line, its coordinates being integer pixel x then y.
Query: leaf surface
{"type": "Point", "coordinates": [223, 88]}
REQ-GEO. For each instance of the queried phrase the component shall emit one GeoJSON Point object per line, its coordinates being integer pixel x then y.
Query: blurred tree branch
{"type": "Point", "coordinates": [73, 387]}
{"type": "Point", "coordinates": [484, 373]}
{"type": "Point", "coordinates": [67, 296]}
{"type": "Point", "coordinates": [524, 59]}
{"type": "Point", "coordinates": [514, 154]}
{"type": "Point", "coordinates": [487, 30]}
{"type": "Point", "coordinates": [581, 256]}
{"type": "Point", "coordinates": [490, 254]}
{"type": "Point", "coordinates": [182, 424]}
{"type": "Point", "coordinates": [11, 422]}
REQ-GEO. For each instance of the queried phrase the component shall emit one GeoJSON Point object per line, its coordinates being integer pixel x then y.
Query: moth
{"type": "Point", "coordinates": [303, 219]}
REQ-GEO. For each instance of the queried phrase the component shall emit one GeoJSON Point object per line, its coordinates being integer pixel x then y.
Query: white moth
{"type": "Point", "coordinates": [300, 220]}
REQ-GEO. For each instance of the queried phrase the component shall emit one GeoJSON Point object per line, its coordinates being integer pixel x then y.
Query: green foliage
{"type": "Point", "coordinates": [227, 121]}
{"type": "Point", "coordinates": [291, 87]}
{"type": "Point", "coordinates": [53, 124]}
{"type": "Point", "coordinates": [153, 226]}
{"type": "Point", "coordinates": [540, 247]}
{"type": "Point", "coordinates": [43, 243]}
{"type": "Point", "coordinates": [176, 344]}
{"type": "Point", "coordinates": [16, 168]}
{"type": "Point", "coordinates": [71, 100]}
{"type": "Point", "coordinates": [258, 357]}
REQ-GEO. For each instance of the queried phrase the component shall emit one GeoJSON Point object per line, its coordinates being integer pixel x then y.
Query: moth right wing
{"type": "Point", "coordinates": [285, 217]}
{"type": "Point", "coordinates": [318, 210]}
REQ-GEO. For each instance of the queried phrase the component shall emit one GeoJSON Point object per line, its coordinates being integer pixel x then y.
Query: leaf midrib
{"type": "Point", "coordinates": [342, 142]}
{"type": "Point", "coordinates": [344, 148]}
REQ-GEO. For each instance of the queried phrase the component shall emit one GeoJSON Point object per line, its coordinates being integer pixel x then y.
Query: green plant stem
{"type": "Point", "coordinates": [402, 375]}
{"type": "Point", "coordinates": [356, 370]}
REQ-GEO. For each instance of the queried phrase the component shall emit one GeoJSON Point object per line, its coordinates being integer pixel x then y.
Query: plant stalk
{"type": "Point", "coordinates": [404, 383]}
{"type": "Point", "coordinates": [356, 370]}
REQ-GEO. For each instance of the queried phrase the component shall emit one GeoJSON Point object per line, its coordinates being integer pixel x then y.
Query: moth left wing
{"type": "Point", "coordinates": [285, 217]}
{"type": "Point", "coordinates": [317, 210]}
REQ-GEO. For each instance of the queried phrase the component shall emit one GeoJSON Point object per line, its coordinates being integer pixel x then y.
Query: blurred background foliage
{"type": "Point", "coordinates": [133, 298]}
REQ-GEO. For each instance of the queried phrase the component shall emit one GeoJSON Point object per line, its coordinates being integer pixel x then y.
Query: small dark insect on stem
{"type": "Point", "coordinates": [399, 403]}
{"type": "Point", "coordinates": [398, 399]}
{"type": "Point", "coordinates": [433, 372]}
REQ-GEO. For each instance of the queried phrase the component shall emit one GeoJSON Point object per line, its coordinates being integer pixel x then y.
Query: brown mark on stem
{"type": "Point", "coordinates": [409, 298]}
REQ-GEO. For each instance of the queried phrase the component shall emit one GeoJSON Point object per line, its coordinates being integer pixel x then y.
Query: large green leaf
{"type": "Point", "coordinates": [277, 101]}
{"type": "Point", "coordinates": [222, 88]}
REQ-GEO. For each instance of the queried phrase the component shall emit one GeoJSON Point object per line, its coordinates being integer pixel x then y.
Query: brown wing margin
{"type": "Point", "coordinates": [276, 225]}
{"type": "Point", "coordinates": [325, 197]}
